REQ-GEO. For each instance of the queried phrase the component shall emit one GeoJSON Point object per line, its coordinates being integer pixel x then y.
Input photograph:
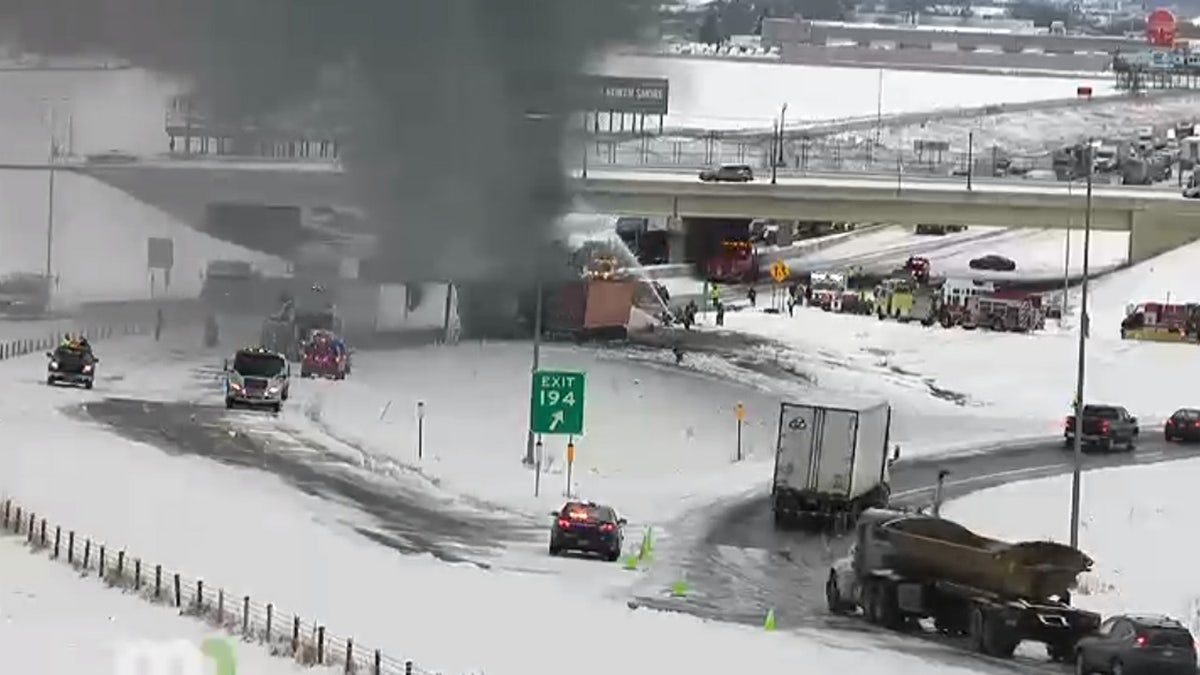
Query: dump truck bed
{"type": "Point", "coordinates": [940, 549]}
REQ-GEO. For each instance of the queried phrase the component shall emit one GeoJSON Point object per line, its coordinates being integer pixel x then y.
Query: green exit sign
{"type": "Point", "coordinates": [557, 402]}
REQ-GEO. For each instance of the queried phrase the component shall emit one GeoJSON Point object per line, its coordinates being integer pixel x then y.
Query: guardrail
{"type": "Point", "coordinates": [285, 634]}
{"type": "Point", "coordinates": [828, 154]}
{"type": "Point", "coordinates": [25, 346]}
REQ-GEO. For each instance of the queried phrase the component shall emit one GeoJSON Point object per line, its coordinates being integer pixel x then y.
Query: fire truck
{"type": "Point", "coordinates": [828, 289]}
{"type": "Point", "coordinates": [1161, 322]}
{"type": "Point", "coordinates": [1000, 311]}
{"type": "Point", "coordinates": [736, 262]}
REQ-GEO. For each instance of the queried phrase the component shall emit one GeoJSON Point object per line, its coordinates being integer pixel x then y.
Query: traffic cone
{"type": "Point", "coordinates": [631, 562]}
{"type": "Point", "coordinates": [769, 624]}
{"type": "Point", "coordinates": [646, 550]}
{"type": "Point", "coordinates": [679, 589]}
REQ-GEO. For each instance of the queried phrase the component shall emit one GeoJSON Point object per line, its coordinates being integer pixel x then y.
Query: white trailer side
{"type": "Point", "coordinates": [830, 460]}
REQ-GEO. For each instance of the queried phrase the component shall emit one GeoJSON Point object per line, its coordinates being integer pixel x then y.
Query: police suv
{"type": "Point", "coordinates": [257, 377]}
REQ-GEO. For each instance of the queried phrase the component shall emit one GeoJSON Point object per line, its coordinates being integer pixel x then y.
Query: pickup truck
{"type": "Point", "coordinates": [1105, 427]}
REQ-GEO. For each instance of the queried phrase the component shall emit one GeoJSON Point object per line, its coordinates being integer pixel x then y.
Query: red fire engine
{"type": "Point", "coordinates": [736, 262]}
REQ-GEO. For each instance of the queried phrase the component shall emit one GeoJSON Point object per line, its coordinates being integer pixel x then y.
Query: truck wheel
{"type": "Point", "coordinates": [1131, 444]}
{"type": "Point", "coordinates": [994, 638]}
{"type": "Point", "coordinates": [1061, 652]}
{"type": "Point", "coordinates": [87, 385]}
{"type": "Point", "coordinates": [884, 607]}
{"type": "Point", "coordinates": [229, 404]}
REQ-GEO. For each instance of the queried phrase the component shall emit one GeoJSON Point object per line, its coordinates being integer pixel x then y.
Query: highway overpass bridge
{"type": "Point", "coordinates": [1157, 220]}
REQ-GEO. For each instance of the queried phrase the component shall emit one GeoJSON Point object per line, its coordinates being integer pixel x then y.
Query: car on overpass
{"type": "Point", "coordinates": [728, 173]}
{"type": "Point", "coordinates": [994, 263]}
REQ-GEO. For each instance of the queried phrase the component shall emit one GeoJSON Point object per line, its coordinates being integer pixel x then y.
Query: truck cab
{"type": "Point", "coordinates": [257, 377]}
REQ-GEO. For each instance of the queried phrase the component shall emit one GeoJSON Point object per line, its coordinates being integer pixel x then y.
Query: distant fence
{"type": "Point", "coordinates": [285, 634]}
{"type": "Point", "coordinates": [25, 346]}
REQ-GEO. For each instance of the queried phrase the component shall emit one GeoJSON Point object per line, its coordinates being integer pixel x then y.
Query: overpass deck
{"type": "Point", "coordinates": [1157, 219]}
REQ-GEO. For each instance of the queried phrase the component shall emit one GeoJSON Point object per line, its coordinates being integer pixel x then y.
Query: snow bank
{"type": "Point", "coordinates": [1136, 523]}
{"type": "Point", "coordinates": [99, 240]}
{"type": "Point", "coordinates": [734, 94]}
{"type": "Point", "coordinates": [1023, 381]}
{"type": "Point", "coordinates": [58, 623]}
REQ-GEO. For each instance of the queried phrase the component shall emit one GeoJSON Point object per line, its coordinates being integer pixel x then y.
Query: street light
{"type": "Point", "coordinates": [1084, 329]}
{"type": "Point", "coordinates": [53, 153]}
{"type": "Point", "coordinates": [530, 441]}
{"type": "Point", "coordinates": [782, 121]}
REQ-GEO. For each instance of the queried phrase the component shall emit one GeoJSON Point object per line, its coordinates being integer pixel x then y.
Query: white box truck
{"type": "Point", "coordinates": [831, 463]}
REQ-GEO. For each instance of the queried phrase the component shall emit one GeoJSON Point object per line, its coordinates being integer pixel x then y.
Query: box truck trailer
{"type": "Point", "coordinates": [831, 464]}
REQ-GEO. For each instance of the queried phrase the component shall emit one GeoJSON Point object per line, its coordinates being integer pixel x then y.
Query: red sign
{"type": "Point", "coordinates": [1161, 28]}
{"type": "Point", "coordinates": [1083, 92]}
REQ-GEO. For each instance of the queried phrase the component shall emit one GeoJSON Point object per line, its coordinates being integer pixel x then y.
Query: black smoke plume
{"type": "Point", "coordinates": [456, 109]}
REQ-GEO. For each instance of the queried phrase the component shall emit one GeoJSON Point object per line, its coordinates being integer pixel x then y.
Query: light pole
{"type": "Point", "coordinates": [879, 108]}
{"type": "Point", "coordinates": [53, 153]}
{"type": "Point", "coordinates": [1067, 254]}
{"type": "Point", "coordinates": [782, 121]}
{"type": "Point", "coordinates": [1077, 471]}
{"type": "Point", "coordinates": [530, 457]}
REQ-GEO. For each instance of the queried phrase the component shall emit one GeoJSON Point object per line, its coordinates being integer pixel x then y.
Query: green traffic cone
{"type": "Point", "coordinates": [646, 550]}
{"type": "Point", "coordinates": [679, 589]}
{"type": "Point", "coordinates": [769, 624]}
{"type": "Point", "coordinates": [631, 562]}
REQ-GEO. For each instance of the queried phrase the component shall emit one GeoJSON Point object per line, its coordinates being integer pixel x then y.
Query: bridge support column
{"type": "Point", "coordinates": [676, 241]}
{"type": "Point", "coordinates": [1156, 231]}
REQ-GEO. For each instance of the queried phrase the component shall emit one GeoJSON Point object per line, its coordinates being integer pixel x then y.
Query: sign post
{"type": "Point", "coordinates": [570, 463]}
{"type": "Point", "coordinates": [537, 467]}
{"type": "Point", "coordinates": [740, 412]}
{"type": "Point", "coordinates": [420, 429]}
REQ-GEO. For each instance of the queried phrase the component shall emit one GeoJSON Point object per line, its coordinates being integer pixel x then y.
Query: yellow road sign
{"type": "Point", "coordinates": [740, 411]}
{"type": "Point", "coordinates": [780, 272]}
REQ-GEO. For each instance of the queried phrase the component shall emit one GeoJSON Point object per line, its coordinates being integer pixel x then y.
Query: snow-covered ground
{"type": "Point", "coordinates": [1039, 254]}
{"type": "Point", "coordinates": [1036, 131]}
{"type": "Point", "coordinates": [100, 238]}
{"type": "Point", "coordinates": [1029, 377]}
{"type": "Point", "coordinates": [734, 94]}
{"type": "Point", "coordinates": [1169, 277]}
{"type": "Point", "coordinates": [58, 623]}
{"type": "Point", "coordinates": [1135, 522]}
{"type": "Point", "coordinates": [411, 606]}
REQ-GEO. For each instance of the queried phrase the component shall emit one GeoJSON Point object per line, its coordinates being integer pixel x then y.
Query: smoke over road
{"type": "Point", "coordinates": [459, 178]}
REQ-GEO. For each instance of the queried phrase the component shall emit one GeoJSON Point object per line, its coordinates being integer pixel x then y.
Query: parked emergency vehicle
{"type": "Point", "coordinates": [827, 290]}
{"type": "Point", "coordinates": [1161, 322]}
{"type": "Point", "coordinates": [736, 262]}
{"type": "Point", "coordinates": [1019, 314]}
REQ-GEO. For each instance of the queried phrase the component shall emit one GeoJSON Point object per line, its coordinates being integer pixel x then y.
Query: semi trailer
{"type": "Point", "coordinates": [831, 463]}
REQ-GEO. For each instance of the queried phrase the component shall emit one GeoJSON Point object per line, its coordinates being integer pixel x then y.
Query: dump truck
{"type": "Point", "coordinates": [831, 463]}
{"type": "Point", "coordinates": [905, 567]}
{"type": "Point", "coordinates": [589, 309]}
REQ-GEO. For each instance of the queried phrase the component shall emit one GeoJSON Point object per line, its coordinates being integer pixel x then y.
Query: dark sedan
{"type": "Point", "coordinates": [588, 528]}
{"type": "Point", "coordinates": [728, 173]}
{"type": "Point", "coordinates": [1184, 425]}
{"type": "Point", "coordinates": [1138, 645]}
{"type": "Point", "coordinates": [994, 263]}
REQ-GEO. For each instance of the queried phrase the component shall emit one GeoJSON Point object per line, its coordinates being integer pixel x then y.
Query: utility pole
{"type": "Point", "coordinates": [1067, 254]}
{"type": "Point", "coordinates": [782, 121]}
{"type": "Point", "coordinates": [530, 441]}
{"type": "Point", "coordinates": [970, 157]}
{"type": "Point", "coordinates": [1077, 472]}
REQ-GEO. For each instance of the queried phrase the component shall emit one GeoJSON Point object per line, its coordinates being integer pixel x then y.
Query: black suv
{"type": "Point", "coordinates": [589, 528]}
{"type": "Point", "coordinates": [1136, 644]}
